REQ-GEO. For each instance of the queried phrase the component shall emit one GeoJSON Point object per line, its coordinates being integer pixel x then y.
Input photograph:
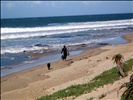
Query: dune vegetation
{"type": "Point", "coordinates": [104, 78]}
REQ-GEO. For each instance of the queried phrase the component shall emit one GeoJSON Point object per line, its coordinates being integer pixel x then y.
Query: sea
{"type": "Point", "coordinates": [21, 37]}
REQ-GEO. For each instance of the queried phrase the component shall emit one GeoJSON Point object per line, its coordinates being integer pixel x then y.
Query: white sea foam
{"type": "Point", "coordinates": [27, 35]}
{"type": "Point", "coordinates": [16, 33]}
{"type": "Point", "coordinates": [69, 26]}
{"type": "Point", "coordinates": [54, 46]}
{"type": "Point", "coordinates": [21, 49]}
{"type": "Point", "coordinates": [13, 33]}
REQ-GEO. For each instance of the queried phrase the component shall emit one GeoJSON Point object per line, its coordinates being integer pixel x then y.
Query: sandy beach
{"type": "Point", "coordinates": [36, 82]}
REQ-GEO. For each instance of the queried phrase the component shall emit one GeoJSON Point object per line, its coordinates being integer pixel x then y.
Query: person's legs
{"type": "Point", "coordinates": [48, 65]}
{"type": "Point", "coordinates": [65, 57]}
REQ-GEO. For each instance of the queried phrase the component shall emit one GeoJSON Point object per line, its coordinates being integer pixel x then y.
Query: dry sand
{"type": "Point", "coordinates": [39, 81]}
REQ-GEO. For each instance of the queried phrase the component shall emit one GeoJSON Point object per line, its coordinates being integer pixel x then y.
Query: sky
{"type": "Point", "coordinates": [24, 9]}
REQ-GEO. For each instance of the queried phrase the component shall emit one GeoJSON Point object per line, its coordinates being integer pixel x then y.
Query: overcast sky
{"type": "Point", "coordinates": [22, 9]}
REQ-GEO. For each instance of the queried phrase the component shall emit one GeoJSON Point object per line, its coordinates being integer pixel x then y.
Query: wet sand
{"type": "Point", "coordinates": [39, 81]}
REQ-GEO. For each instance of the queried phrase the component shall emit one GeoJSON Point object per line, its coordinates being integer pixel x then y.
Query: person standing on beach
{"type": "Point", "coordinates": [65, 52]}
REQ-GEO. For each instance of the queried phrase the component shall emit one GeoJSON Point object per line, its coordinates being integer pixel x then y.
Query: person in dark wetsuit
{"type": "Point", "coordinates": [65, 52]}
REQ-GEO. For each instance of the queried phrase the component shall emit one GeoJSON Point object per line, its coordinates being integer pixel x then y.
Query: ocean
{"type": "Point", "coordinates": [22, 36]}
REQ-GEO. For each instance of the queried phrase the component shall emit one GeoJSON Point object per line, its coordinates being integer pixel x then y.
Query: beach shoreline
{"type": "Point", "coordinates": [38, 81]}
{"type": "Point", "coordinates": [49, 55]}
